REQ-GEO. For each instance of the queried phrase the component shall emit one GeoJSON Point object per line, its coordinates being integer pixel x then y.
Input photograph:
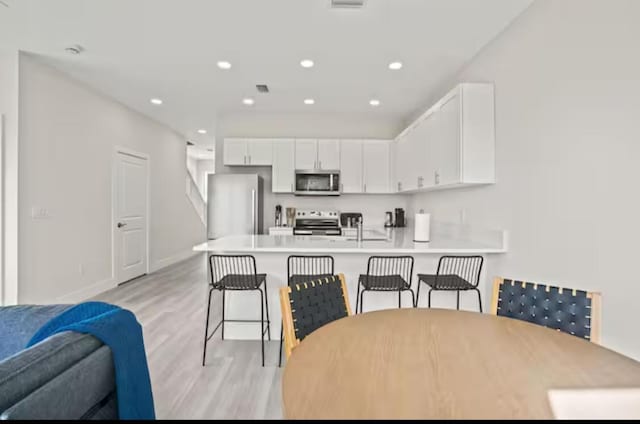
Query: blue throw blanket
{"type": "Point", "coordinates": [118, 329]}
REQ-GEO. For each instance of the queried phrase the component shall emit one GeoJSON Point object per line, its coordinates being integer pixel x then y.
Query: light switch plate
{"type": "Point", "coordinates": [40, 213]}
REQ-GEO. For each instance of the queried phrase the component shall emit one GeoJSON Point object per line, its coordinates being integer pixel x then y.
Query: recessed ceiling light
{"type": "Point", "coordinates": [156, 101]}
{"type": "Point", "coordinates": [374, 102]}
{"type": "Point", "coordinates": [202, 131]}
{"type": "Point", "coordinates": [306, 63]}
{"type": "Point", "coordinates": [395, 66]}
{"type": "Point", "coordinates": [223, 64]}
{"type": "Point", "coordinates": [248, 101]}
{"type": "Point", "coordinates": [309, 101]}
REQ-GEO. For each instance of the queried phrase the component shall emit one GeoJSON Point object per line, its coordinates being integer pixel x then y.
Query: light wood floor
{"type": "Point", "coordinates": [170, 305]}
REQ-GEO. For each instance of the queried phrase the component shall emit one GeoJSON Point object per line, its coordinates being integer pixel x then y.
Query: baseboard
{"type": "Point", "coordinates": [87, 292]}
{"type": "Point", "coordinates": [179, 257]}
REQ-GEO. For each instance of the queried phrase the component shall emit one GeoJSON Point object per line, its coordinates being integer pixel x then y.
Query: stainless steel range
{"type": "Point", "coordinates": [312, 222]}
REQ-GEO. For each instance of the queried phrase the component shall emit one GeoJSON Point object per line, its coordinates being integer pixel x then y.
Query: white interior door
{"type": "Point", "coordinates": [130, 217]}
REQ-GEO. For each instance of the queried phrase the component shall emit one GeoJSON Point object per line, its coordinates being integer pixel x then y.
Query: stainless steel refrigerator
{"type": "Point", "coordinates": [234, 205]}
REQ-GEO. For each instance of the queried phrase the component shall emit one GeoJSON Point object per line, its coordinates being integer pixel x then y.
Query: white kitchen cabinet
{"type": "Point", "coordinates": [313, 154]}
{"type": "Point", "coordinates": [351, 164]}
{"type": "Point", "coordinates": [280, 231]}
{"type": "Point", "coordinates": [260, 152]}
{"type": "Point", "coordinates": [329, 154]}
{"type": "Point", "coordinates": [247, 152]}
{"type": "Point", "coordinates": [306, 154]}
{"type": "Point", "coordinates": [283, 171]}
{"type": "Point", "coordinates": [375, 166]}
{"type": "Point", "coordinates": [452, 144]}
{"type": "Point", "coordinates": [235, 151]}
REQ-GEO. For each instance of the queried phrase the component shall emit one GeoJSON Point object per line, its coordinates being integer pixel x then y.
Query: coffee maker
{"type": "Point", "coordinates": [399, 222]}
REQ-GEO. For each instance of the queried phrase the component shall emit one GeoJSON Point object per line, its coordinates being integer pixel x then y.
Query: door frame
{"type": "Point", "coordinates": [114, 190]}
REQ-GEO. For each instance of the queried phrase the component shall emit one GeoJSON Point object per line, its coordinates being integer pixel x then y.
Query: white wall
{"type": "Point", "coordinates": [310, 125]}
{"type": "Point", "coordinates": [567, 77]}
{"type": "Point", "coordinates": [67, 137]}
{"type": "Point", "coordinates": [9, 177]}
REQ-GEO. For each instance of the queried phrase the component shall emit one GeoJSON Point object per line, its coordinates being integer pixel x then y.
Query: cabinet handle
{"type": "Point", "coordinates": [437, 177]}
{"type": "Point", "coordinates": [341, 188]}
{"type": "Point", "coordinates": [291, 187]}
{"type": "Point", "coordinates": [365, 188]}
{"type": "Point", "coordinates": [249, 159]}
{"type": "Point", "coordinates": [319, 164]}
{"type": "Point", "coordinates": [245, 159]}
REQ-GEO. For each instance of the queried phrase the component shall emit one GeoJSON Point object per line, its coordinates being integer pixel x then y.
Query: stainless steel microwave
{"type": "Point", "coordinates": [317, 183]}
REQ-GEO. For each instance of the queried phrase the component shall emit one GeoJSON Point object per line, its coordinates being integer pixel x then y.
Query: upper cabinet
{"type": "Point", "coordinates": [313, 154]}
{"type": "Point", "coordinates": [283, 171]}
{"type": "Point", "coordinates": [376, 170]}
{"type": "Point", "coordinates": [451, 145]}
{"type": "Point", "coordinates": [351, 166]}
{"type": "Point", "coordinates": [248, 152]}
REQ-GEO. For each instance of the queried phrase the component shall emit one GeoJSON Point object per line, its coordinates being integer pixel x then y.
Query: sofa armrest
{"type": "Point", "coordinates": [48, 378]}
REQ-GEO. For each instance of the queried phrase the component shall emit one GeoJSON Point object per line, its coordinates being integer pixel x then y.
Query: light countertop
{"type": "Point", "coordinates": [400, 241]}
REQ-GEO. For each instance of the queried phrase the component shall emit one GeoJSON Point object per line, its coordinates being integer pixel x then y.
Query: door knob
{"type": "Point", "coordinates": [121, 224]}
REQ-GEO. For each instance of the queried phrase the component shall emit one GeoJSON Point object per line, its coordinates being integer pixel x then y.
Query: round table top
{"type": "Point", "coordinates": [437, 363]}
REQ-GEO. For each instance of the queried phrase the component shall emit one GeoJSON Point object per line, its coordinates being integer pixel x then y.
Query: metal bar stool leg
{"type": "Point", "coordinates": [262, 323]}
{"type": "Point", "coordinates": [358, 297]}
{"type": "Point", "coordinates": [399, 299]}
{"type": "Point", "coordinates": [429, 298]}
{"type": "Point", "coordinates": [206, 328]}
{"type": "Point", "coordinates": [479, 299]}
{"type": "Point", "coordinates": [418, 293]}
{"type": "Point", "coordinates": [361, 300]}
{"type": "Point", "coordinates": [413, 298]}
{"type": "Point", "coordinates": [223, 296]}
{"type": "Point", "coordinates": [266, 304]}
{"type": "Point", "coordinates": [458, 300]}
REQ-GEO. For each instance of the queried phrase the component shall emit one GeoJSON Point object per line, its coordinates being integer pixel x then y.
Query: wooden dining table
{"type": "Point", "coordinates": [439, 364]}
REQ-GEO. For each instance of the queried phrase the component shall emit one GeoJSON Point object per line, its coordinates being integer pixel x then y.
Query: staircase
{"type": "Point", "coordinates": [194, 195]}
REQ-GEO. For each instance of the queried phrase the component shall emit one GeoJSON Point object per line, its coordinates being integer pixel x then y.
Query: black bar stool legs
{"type": "Point", "coordinates": [236, 273]}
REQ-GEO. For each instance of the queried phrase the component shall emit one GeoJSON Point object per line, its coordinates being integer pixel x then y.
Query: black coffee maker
{"type": "Point", "coordinates": [399, 221]}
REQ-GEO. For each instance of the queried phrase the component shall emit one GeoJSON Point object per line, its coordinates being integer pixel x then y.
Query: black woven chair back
{"type": "Point", "coordinates": [316, 303]}
{"type": "Point", "coordinates": [301, 269]}
{"type": "Point", "coordinates": [233, 271]}
{"type": "Point", "coordinates": [562, 309]}
{"type": "Point", "coordinates": [453, 269]}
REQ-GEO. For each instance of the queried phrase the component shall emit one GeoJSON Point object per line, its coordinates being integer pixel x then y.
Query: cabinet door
{"type": "Point", "coordinates": [351, 166]}
{"type": "Point", "coordinates": [447, 143]}
{"type": "Point", "coordinates": [375, 163]}
{"type": "Point", "coordinates": [411, 161]}
{"type": "Point", "coordinates": [259, 152]}
{"type": "Point", "coordinates": [235, 151]}
{"type": "Point", "coordinates": [306, 154]}
{"type": "Point", "coordinates": [401, 155]}
{"type": "Point", "coordinates": [283, 171]}
{"type": "Point", "coordinates": [329, 154]}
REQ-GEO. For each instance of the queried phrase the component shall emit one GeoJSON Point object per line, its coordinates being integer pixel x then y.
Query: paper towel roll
{"type": "Point", "coordinates": [421, 229]}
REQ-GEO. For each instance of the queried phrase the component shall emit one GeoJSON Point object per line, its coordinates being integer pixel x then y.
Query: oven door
{"type": "Point", "coordinates": [317, 183]}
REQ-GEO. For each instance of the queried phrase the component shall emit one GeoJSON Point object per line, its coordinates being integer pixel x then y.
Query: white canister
{"type": "Point", "coordinates": [422, 227]}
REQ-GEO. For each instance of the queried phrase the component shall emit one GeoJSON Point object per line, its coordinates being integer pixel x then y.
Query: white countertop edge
{"type": "Point", "coordinates": [362, 250]}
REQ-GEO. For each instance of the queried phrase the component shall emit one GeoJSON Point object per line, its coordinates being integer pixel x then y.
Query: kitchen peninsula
{"type": "Point", "coordinates": [351, 257]}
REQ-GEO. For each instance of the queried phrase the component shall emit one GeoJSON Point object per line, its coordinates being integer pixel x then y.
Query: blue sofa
{"type": "Point", "coordinates": [66, 376]}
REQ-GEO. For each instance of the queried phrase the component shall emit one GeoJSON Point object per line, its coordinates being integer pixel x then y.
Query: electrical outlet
{"type": "Point", "coordinates": [40, 213]}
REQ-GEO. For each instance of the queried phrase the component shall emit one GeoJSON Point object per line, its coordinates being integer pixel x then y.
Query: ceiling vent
{"type": "Point", "coordinates": [347, 4]}
{"type": "Point", "coordinates": [262, 88]}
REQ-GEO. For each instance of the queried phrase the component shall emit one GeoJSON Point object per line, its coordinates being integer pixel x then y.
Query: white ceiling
{"type": "Point", "coordinates": [139, 49]}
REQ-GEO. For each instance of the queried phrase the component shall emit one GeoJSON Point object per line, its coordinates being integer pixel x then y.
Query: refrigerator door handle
{"type": "Point", "coordinates": [253, 211]}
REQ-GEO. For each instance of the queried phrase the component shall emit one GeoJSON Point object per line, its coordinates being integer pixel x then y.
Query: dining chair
{"type": "Point", "coordinates": [576, 312]}
{"type": "Point", "coordinates": [305, 268]}
{"type": "Point", "coordinates": [236, 273]}
{"type": "Point", "coordinates": [307, 306]}
{"type": "Point", "coordinates": [454, 273]}
{"type": "Point", "coordinates": [386, 274]}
